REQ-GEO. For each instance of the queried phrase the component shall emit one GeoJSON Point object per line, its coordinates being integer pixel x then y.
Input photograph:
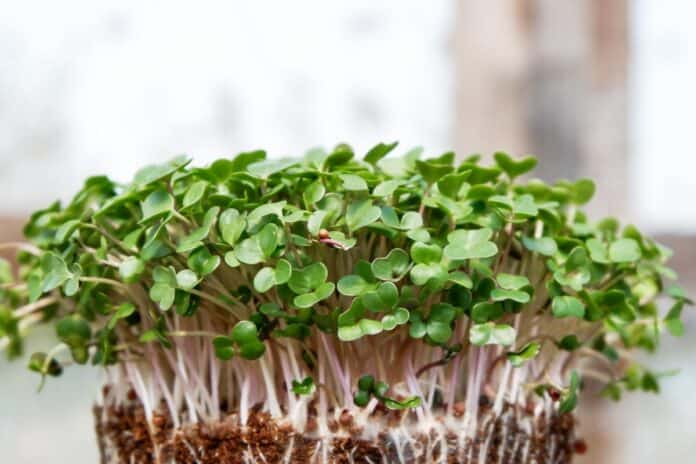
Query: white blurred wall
{"type": "Point", "coordinates": [662, 151]}
{"type": "Point", "coordinates": [105, 87]}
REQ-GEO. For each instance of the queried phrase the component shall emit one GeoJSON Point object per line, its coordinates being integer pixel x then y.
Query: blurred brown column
{"type": "Point", "coordinates": [547, 77]}
{"type": "Point", "coordinates": [10, 231]}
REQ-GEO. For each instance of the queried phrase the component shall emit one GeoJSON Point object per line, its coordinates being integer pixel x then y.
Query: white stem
{"type": "Point", "coordinates": [271, 398]}
{"type": "Point", "coordinates": [30, 308]}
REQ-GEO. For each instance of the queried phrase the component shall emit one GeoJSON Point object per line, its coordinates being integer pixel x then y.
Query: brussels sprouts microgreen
{"type": "Point", "coordinates": [434, 274]}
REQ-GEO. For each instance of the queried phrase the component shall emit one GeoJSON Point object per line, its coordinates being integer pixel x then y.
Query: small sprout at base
{"type": "Point", "coordinates": [304, 387]}
{"type": "Point", "coordinates": [366, 383]}
{"type": "Point", "coordinates": [529, 351]}
{"type": "Point", "coordinates": [361, 398]}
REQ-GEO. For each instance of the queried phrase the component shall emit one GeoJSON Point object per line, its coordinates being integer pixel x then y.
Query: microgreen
{"type": "Point", "coordinates": [328, 267]}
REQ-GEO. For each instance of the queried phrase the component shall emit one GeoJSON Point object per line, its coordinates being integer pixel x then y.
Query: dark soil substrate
{"type": "Point", "coordinates": [125, 437]}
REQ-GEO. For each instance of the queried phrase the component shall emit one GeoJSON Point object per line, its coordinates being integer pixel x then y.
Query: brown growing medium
{"type": "Point", "coordinates": [124, 436]}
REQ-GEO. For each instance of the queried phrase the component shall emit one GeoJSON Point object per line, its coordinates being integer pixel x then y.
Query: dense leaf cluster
{"type": "Point", "coordinates": [349, 247]}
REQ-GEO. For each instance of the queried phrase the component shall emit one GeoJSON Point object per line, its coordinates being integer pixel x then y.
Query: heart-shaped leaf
{"type": "Point", "coordinates": [544, 246]}
{"type": "Point", "coordinates": [202, 262]}
{"type": "Point", "coordinates": [305, 280]}
{"type": "Point", "coordinates": [500, 294]}
{"type": "Point", "coordinates": [423, 253]}
{"type": "Point", "coordinates": [353, 285]}
{"type": "Point", "coordinates": [268, 277]}
{"type": "Point", "coordinates": [568, 306]}
{"type": "Point", "coordinates": [122, 312]}
{"type": "Point", "coordinates": [303, 387]}
{"type": "Point", "coordinates": [231, 225]}
{"type": "Point", "coordinates": [224, 348]}
{"type": "Point", "coordinates": [386, 188]}
{"type": "Point", "coordinates": [383, 299]}
{"type": "Point", "coordinates": [391, 267]}
{"type": "Point", "coordinates": [55, 271]}
{"type": "Point", "coordinates": [379, 151]}
{"type": "Point", "coordinates": [624, 250]}
{"type": "Point", "coordinates": [195, 239]}
{"type": "Point", "coordinates": [569, 399]}
{"type": "Point", "coordinates": [484, 311]}
{"type": "Point", "coordinates": [451, 184]}
{"type": "Point", "coordinates": [582, 191]}
{"type": "Point", "coordinates": [131, 269]}
{"type": "Point", "coordinates": [309, 299]}
{"type": "Point", "coordinates": [352, 182]}
{"type": "Point", "coordinates": [74, 331]}
{"type": "Point", "coordinates": [470, 244]}
{"type": "Point", "coordinates": [511, 281]}
{"type": "Point", "coordinates": [433, 171]}
{"type": "Point", "coordinates": [490, 333]}
{"type": "Point", "coordinates": [361, 213]}
{"type": "Point", "coordinates": [599, 252]}
{"type": "Point", "coordinates": [157, 204]}
{"type": "Point", "coordinates": [527, 352]}
{"type": "Point", "coordinates": [186, 279]}
{"type": "Point", "coordinates": [314, 193]}
{"type": "Point", "coordinates": [268, 209]}
{"type": "Point", "coordinates": [514, 168]}
{"type": "Point", "coordinates": [421, 274]}
{"type": "Point", "coordinates": [195, 193]}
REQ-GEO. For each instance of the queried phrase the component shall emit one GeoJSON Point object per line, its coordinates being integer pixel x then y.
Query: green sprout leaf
{"type": "Point", "coordinates": [314, 193]}
{"type": "Point", "coordinates": [568, 306]}
{"type": "Point", "coordinates": [164, 289]}
{"type": "Point", "coordinates": [131, 269]}
{"type": "Point", "coordinates": [569, 343]}
{"type": "Point", "coordinates": [224, 348]}
{"type": "Point", "coordinates": [432, 171]}
{"type": "Point", "coordinates": [196, 237]}
{"type": "Point", "coordinates": [490, 333]}
{"type": "Point", "coordinates": [583, 190]}
{"type": "Point", "coordinates": [195, 193]}
{"type": "Point", "coordinates": [361, 213]}
{"type": "Point", "coordinates": [304, 387]}
{"type": "Point", "coordinates": [351, 182]}
{"type": "Point", "coordinates": [511, 281]}
{"type": "Point", "coordinates": [392, 267]}
{"type": "Point", "coordinates": [186, 279]}
{"type": "Point", "coordinates": [268, 277]}
{"type": "Point", "coordinates": [231, 225]}
{"type": "Point", "coordinates": [470, 244]}
{"type": "Point", "coordinates": [569, 399]}
{"type": "Point", "coordinates": [514, 168]}
{"type": "Point", "coordinates": [158, 204]}
{"type": "Point", "coordinates": [122, 312]}
{"type": "Point", "coordinates": [379, 151]}
{"type": "Point", "coordinates": [202, 262]}
{"type": "Point", "coordinates": [353, 285]}
{"type": "Point", "coordinates": [55, 271]}
{"type": "Point", "coordinates": [673, 321]}
{"type": "Point", "coordinates": [544, 246]}
{"type": "Point", "coordinates": [527, 352]}
{"type": "Point", "coordinates": [624, 250]}
{"type": "Point", "coordinates": [423, 253]}
{"type": "Point", "coordinates": [305, 280]}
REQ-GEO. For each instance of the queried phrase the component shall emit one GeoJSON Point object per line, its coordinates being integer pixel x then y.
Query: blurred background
{"type": "Point", "coordinates": [599, 88]}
